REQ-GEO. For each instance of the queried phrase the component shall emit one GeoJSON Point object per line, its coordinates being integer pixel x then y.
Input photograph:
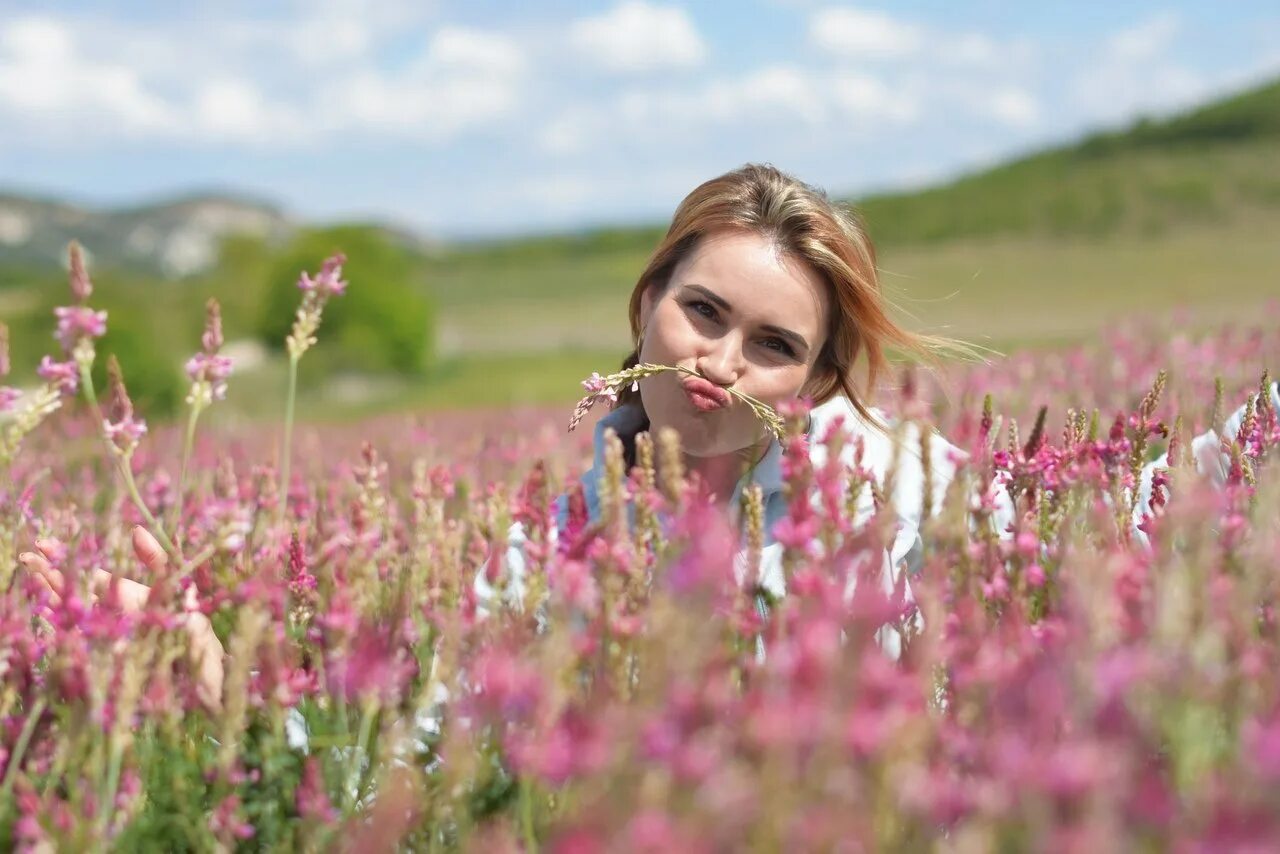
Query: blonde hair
{"type": "Point", "coordinates": [802, 221]}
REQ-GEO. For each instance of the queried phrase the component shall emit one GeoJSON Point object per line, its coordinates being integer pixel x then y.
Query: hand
{"type": "Point", "coordinates": [205, 648]}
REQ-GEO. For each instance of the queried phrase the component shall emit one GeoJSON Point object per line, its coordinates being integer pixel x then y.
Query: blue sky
{"type": "Point", "coordinates": [488, 117]}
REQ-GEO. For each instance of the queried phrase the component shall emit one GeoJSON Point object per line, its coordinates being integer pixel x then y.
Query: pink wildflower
{"type": "Point", "coordinates": [302, 583]}
{"type": "Point", "coordinates": [210, 368]}
{"type": "Point", "coordinates": [311, 798]}
{"type": "Point", "coordinates": [328, 282]}
{"type": "Point", "coordinates": [226, 821]}
{"type": "Point", "coordinates": [595, 383]}
{"type": "Point", "coordinates": [8, 397]}
{"type": "Point", "coordinates": [76, 322]}
{"type": "Point", "coordinates": [81, 287]}
{"type": "Point", "coordinates": [211, 339]}
{"type": "Point", "coordinates": [125, 431]}
{"type": "Point", "coordinates": [64, 375]}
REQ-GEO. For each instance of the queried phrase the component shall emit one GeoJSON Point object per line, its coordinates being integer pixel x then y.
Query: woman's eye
{"type": "Point", "coordinates": [780, 346]}
{"type": "Point", "coordinates": [703, 308]}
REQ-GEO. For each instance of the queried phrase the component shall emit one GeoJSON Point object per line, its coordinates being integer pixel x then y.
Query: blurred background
{"type": "Point", "coordinates": [498, 172]}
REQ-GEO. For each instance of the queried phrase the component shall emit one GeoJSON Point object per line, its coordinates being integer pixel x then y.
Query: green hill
{"type": "Point", "coordinates": [1212, 164]}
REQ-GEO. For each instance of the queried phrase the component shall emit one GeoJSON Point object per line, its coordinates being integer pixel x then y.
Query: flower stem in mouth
{"type": "Point", "coordinates": [607, 387]}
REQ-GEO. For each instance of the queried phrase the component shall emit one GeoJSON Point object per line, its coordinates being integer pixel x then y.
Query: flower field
{"type": "Point", "coordinates": [1070, 681]}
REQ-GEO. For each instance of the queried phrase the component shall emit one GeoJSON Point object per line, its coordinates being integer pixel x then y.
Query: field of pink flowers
{"type": "Point", "coordinates": [1071, 683]}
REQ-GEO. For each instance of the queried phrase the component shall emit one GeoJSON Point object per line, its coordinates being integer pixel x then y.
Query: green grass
{"type": "Point", "coordinates": [473, 382]}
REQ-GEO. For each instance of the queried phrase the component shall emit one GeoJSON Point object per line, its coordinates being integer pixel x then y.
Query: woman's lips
{"type": "Point", "coordinates": [705, 396]}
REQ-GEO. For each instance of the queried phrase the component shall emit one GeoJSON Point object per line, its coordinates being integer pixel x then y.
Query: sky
{"type": "Point", "coordinates": [487, 118]}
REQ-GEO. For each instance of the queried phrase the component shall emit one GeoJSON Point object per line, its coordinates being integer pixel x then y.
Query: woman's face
{"type": "Point", "coordinates": [744, 316]}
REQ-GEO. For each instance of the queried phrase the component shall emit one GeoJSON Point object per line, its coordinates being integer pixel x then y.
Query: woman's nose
{"type": "Point", "coordinates": [722, 365]}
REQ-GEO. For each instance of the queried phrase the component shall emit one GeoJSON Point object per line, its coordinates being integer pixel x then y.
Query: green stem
{"type": "Point", "coordinates": [762, 410]}
{"type": "Point", "coordinates": [113, 781]}
{"type": "Point", "coordinates": [288, 435]}
{"type": "Point", "coordinates": [354, 775]}
{"type": "Point", "coordinates": [20, 748]}
{"type": "Point", "coordinates": [200, 557]}
{"type": "Point", "coordinates": [126, 472]}
{"type": "Point", "coordinates": [176, 516]}
{"type": "Point", "coordinates": [526, 815]}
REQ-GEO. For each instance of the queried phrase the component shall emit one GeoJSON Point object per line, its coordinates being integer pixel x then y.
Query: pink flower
{"type": "Point", "coordinates": [302, 583]}
{"type": "Point", "coordinates": [1262, 746]}
{"type": "Point", "coordinates": [1035, 575]}
{"type": "Point", "coordinates": [8, 397]}
{"type": "Point", "coordinates": [128, 428]}
{"type": "Point", "coordinates": [64, 375]}
{"type": "Point", "coordinates": [796, 534]}
{"type": "Point", "coordinates": [506, 688]}
{"type": "Point", "coordinates": [81, 287]}
{"type": "Point", "coordinates": [328, 282]}
{"type": "Point", "coordinates": [598, 386]}
{"type": "Point", "coordinates": [226, 820]}
{"type": "Point", "coordinates": [211, 339]}
{"type": "Point", "coordinates": [76, 322]}
{"type": "Point", "coordinates": [595, 383]}
{"type": "Point", "coordinates": [210, 368]}
{"type": "Point", "coordinates": [311, 798]}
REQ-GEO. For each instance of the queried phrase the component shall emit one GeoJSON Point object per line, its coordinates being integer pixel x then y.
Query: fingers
{"type": "Point", "coordinates": [47, 578]}
{"type": "Point", "coordinates": [133, 596]}
{"type": "Point", "coordinates": [38, 565]}
{"type": "Point", "coordinates": [54, 550]}
{"type": "Point", "coordinates": [206, 655]}
{"type": "Point", "coordinates": [49, 552]}
{"type": "Point", "coordinates": [148, 549]}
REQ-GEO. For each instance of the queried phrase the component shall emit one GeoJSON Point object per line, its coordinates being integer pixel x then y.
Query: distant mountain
{"type": "Point", "coordinates": [173, 238]}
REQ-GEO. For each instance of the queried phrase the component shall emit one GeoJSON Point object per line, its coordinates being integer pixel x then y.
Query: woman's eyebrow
{"type": "Point", "coordinates": [711, 296]}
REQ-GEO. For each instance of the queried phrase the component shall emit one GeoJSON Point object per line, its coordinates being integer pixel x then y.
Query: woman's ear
{"type": "Point", "coordinates": [646, 306]}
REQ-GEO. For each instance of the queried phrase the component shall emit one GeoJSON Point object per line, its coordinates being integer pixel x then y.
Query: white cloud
{"type": "Point", "coordinates": [770, 94]}
{"type": "Point", "coordinates": [45, 77]}
{"type": "Point", "coordinates": [426, 108]}
{"type": "Point", "coordinates": [1013, 106]}
{"type": "Point", "coordinates": [862, 96]}
{"type": "Point", "coordinates": [775, 98]}
{"type": "Point", "coordinates": [864, 34]}
{"type": "Point", "coordinates": [1145, 41]}
{"type": "Point", "coordinates": [464, 79]}
{"type": "Point", "coordinates": [1138, 71]}
{"type": "Point", "coordinates": [281, 83]}
{"type": "Point", "coordinates": [463, 48]}
{"type": "Point", "coordinates": [859, 35]}
{"type": "Point", "coordinates": [234, 109]}
{"type": "Point", "coordinates": [637, 36]}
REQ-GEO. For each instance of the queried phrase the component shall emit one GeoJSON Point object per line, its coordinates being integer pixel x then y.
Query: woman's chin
{"type": "Point", "coordinates": [700, 438]}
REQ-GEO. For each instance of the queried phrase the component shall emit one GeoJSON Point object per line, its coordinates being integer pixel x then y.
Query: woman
{"type": "Point", "coordinates": [763, 286]}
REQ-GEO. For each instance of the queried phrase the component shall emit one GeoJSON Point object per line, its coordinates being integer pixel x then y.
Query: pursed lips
{"type": "Point", "coordinates": [704, 395]}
